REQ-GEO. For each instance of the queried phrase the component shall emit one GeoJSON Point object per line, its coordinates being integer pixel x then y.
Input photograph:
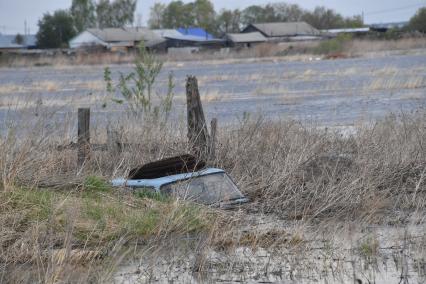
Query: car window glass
{"type": "Point", "coordinates": [207, 189]}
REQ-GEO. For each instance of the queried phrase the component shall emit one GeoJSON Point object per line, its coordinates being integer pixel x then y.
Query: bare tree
{"type": "Point", "coordinates": [115, 14]}
{"type": "Point", "coordinates": [156, 16]}
{"type": "Point", "coordinates": [83, 13]}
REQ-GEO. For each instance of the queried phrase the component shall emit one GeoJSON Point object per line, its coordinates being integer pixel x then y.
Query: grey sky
{"type": "Point", "coordinates": [13, 13]}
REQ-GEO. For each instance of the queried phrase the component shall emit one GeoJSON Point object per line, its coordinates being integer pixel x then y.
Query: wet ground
{"type": "Point", "coordinates": [375, 254]}
{"type": "Point", "coordinates": [323, 92]}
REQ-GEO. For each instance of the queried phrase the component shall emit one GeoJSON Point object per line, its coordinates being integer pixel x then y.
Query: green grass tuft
{"type": "Point", "coordinates": [37, 205]}
{"type": "Point", "coordinates": [96, 184]}
{"type": "Point", "coordinates": [148, 193]}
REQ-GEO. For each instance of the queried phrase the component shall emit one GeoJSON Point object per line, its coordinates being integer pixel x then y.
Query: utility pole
{"type": "Point", "coordinates": [139, 20]}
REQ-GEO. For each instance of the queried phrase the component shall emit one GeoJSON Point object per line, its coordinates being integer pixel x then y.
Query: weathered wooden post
{"type": "Point", "coordinates": [198, 134]}
{"type": "Point", "coordinates": [114, 144]}
{"type": "Point", "coordinates": [83, 136]}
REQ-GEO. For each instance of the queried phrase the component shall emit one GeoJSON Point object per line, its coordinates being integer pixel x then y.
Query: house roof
{"type": "Point", "coordinates": [114, 35]}
{"type": "Point", "coordinates": [146, 35]}
{"type": "Point", "coordinates": [8, 41]}
{"type": "Point", "coordinates": [167, 32]}
{"type": "Point", "coordinates": [193, 38]}
{"type": "Point", "coordinates": [246, 37]}
{"type": "Point", "coordinates": [285, 29]}
{"type": "Point", "coordinates": [197, 32]}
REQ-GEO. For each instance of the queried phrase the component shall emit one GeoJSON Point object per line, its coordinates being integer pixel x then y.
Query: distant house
{"type": "Point", "coordinates": [384, 27]}
{"type": "Point", "coordinates": [284, 31]}
{"type": "Point", "coordinates": [192, 37]}
{"type": "Point", "coordinates": [244, 39]}
{"type": "Point", "coordinates": [147, 36]}
{"type": "Point", "coordinates": [8, 42]}
{"type": "Point", "coordinates": [365, 30]}
{"type": "Point", "coordinates": [116, 38]}
{"type": "Point", "coordinates": [164, 33]}
{"type": "Point", "coordinates": [354, 31]}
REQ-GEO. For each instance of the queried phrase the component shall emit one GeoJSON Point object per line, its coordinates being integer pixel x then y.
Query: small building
{"type": "Point", "coordinates": [347, 30]}
{"type": "Point", "coordinates": [89, 38]}
{"type": "Point", "coordinates": [284, 31]}
{"type": "Point", "coordinates": [8, 42]}
{"type": "Point", "coordinates": [244, 39]}
{"type": "Point", "coordinates": [384, 27]}
{"type": "Point", "coordinates": [116, 38]}
{"type": "Point", "coordinates": [352, 31]}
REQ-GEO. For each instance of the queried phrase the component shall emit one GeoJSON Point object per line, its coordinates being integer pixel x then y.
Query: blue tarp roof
{"type": "Point", "coordinates": [196, 32]}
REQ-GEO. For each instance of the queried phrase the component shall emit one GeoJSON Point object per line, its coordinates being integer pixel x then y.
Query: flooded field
{"type": "Point", "coordinates": [344, 254]}
{"type": "Point", "coordinates": [324, 92]}
{"type": "Point", "coordinates": [324, 207]}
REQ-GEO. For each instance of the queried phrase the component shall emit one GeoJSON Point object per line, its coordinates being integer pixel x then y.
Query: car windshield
{"type": "Point", "coordinates": [207, 189]}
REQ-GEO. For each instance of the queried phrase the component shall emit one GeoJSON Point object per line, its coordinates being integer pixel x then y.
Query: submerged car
{"type": "Point", "coordinates": [209, 186]}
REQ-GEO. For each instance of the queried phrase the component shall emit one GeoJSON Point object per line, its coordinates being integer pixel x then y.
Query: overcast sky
{"type": "Point", "coordinates": [14, 13]}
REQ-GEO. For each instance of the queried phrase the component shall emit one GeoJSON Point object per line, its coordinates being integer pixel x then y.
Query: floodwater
{"type": "Point", "coordinates": [377, 254]}
{"type": "Point", "coordinates": [323, 92]}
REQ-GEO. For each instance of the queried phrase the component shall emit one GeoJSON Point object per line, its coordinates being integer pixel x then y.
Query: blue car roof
{"type": "Point", "coordinates": [157, 183]}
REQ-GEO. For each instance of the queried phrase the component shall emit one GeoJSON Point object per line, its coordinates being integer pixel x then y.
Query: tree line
{"type": "Point", "coordinates": [201, 13]}
{"type": "Point", "coordinates": [56, 29]}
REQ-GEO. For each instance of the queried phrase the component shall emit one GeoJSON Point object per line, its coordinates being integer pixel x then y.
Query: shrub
{"type": "Point", "coordinates": [333, 45]}
{"type": "Point", "coordinates": [137, 86]}
{"type": "Point", "coordinates": [418, 21]}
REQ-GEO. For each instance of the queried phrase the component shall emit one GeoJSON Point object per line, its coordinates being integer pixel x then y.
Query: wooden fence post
{"type": "Point", "coordinates": [114, 143]}
{"type": "Point", "coordinates": [83, 134]}
{"type": "Point", "coordinates": [198, 134]}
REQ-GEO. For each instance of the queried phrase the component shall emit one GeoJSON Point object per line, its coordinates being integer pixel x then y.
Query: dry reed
{"type": "Point", "coordinates": [55, 228]}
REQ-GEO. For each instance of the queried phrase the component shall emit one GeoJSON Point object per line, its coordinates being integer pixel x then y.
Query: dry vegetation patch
{"type": "Point", "coordinates": [55, 219]}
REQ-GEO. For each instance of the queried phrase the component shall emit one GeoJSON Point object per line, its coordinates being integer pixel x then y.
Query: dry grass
{"type": "Point", "coordinates": [61, 225]}
{"type": "Point", "coordinates": [51, 86]}
{"type": "Point", "coordinates": [212, 96]}
{"type": "Point", "coordinates": [397, 82]}
{"type": "Point", "coordinates": [271, 91]}
{"type": "Point", "coordinates": [301, 173]}
{"type": "Point", "coordinates": [62, 61]}
{"type": "Point", "coordinates": [273, 157]}
{"type": "Point", "coordinates": [73, 236]}
{"type": "Point", "coordinates": [95, 85]}
{"type": "Point", "coordinates": [362, 46]}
